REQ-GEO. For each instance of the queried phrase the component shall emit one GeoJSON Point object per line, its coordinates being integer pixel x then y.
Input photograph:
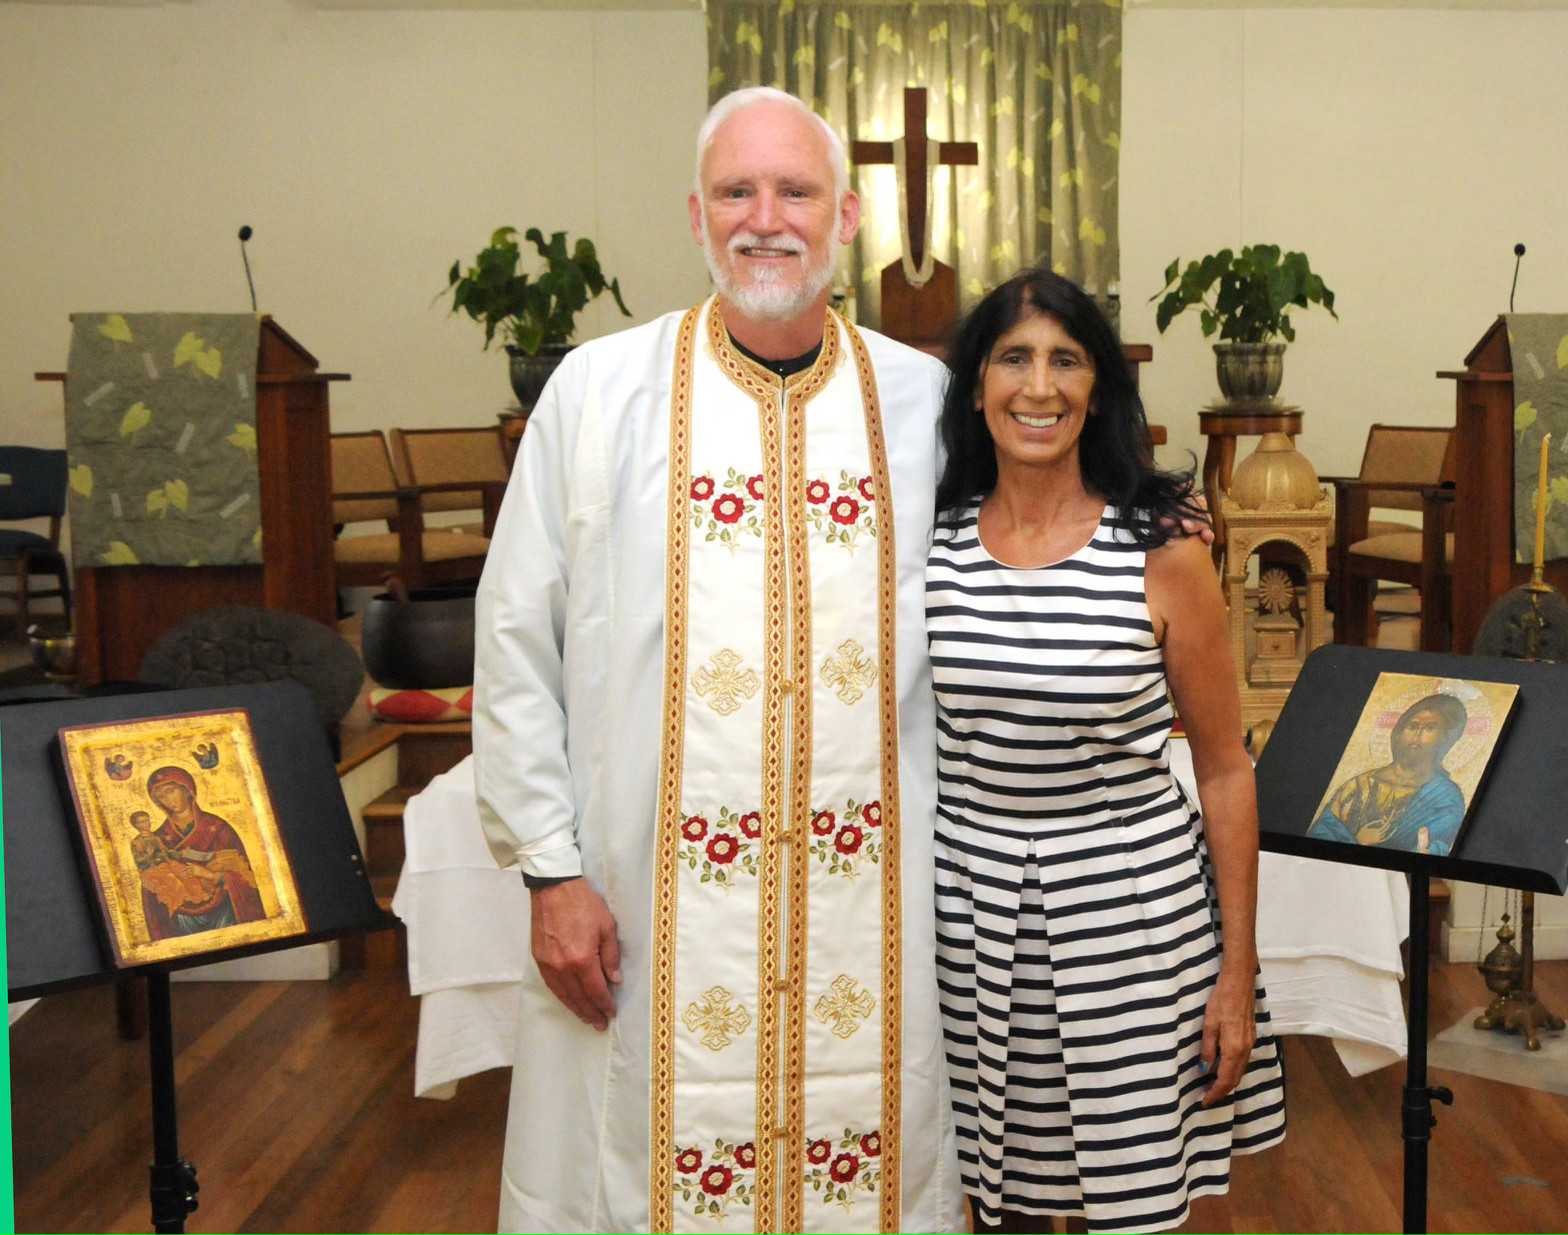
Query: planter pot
{"type": "Point", "coordinates": [423, 643]}
{"type": "Point", "coordinates": [530, 373]}
{"type": "Point", "coordinates": [1249, 372]}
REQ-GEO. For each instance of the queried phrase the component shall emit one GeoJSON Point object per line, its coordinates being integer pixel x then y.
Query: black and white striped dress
{"type": "Point", "coordinates": [1077, 929]}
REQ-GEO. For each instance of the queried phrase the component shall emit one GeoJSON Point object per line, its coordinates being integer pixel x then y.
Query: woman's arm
{"type": "Point", "coordinates": [1188, 611]}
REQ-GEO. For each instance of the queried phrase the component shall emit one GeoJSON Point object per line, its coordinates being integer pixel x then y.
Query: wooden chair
{"type": "Point", "coordinates": [439, 462]}
{"type": "Point", "coordinates": [33, 486]}
{"type": "Point", "coordinates": [365, 489]}
{"type": "Point", "coordinates": [1405, 467]}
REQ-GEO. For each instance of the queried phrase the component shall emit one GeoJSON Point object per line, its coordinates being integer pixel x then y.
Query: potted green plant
{"type": "Point", "coordinates": [535, 315]}
{"type": "Point", "coordinates": [1247, 298]}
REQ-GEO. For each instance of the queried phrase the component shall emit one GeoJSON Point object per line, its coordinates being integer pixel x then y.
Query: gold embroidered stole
{"type": "Point", "coordinates": [776, 1049]}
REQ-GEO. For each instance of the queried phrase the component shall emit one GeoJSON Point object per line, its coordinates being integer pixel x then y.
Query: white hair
{"type": "Point", "coordinates": [738, 100]}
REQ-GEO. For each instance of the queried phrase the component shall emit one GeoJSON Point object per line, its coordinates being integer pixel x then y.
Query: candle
{"type": "Point", "coordinates": [1540, 510]}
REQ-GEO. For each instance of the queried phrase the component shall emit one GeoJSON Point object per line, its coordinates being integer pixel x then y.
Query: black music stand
{"type": "Point", "coordinates": [1514, 836]}
{"type": "Point", "coordinates": [55, 934]}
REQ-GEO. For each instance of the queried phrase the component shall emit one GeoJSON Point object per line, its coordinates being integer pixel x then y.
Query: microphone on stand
{"type": "Point", "coordinates": [1518, 257]}
{"type": "Point", "coordinates": [246, 234]}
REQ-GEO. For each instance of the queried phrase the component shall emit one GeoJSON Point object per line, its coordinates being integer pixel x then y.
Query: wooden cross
{"type": "Point", "coordinates": [953, 154]}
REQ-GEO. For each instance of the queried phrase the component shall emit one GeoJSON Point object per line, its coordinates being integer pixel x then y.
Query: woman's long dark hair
{"type": "Point", "coordinates": [1114, 454]}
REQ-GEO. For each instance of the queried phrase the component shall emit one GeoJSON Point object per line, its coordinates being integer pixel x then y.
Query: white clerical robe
{"type": "Point", "coordinates": [570, 711]}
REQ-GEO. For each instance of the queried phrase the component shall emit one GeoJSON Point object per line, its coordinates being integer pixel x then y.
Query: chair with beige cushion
{"type": "Point", "coordinates": [440, 462]}
{"type": "Point", "coordinates": [366, 490]}
{"type": "Point", "coordinates": [1406, 467]}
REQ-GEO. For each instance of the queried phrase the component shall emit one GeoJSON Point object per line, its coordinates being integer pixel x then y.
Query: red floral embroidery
{"type": "Point", "coordinates": [688, 1161]}
{"type": "Point", "coordinates": [849, 848]}
{"type": "Point", "coordinates": [845, 1167]}
{"type": "Point", "coordinates": [726, 1182]}
{"type": "Point", "coordinates": [841, 511]}
{"type": "Point", "coordinates": [845, 510]}
{"type": "Point", "coordinates": [724, 508]}
{"type": "Point", "coordinates": [729, 508]}
{"type": "Point", "coordinates": [721, 850]}
{"type": "Point", "coordinates": [855, 1172]}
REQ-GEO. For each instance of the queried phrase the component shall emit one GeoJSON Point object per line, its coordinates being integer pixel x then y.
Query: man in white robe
{"type": "Point", "coordinates": [704, 730]}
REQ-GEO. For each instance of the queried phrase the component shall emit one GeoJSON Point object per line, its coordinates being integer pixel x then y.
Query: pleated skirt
{"type": "Point", "coordinates": [1075, 966]}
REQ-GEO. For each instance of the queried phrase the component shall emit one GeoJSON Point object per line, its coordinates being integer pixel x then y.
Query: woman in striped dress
{"type": "Point", "coordinates": [1107, 1039]}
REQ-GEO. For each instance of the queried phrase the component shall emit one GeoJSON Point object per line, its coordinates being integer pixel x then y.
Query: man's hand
{"type": "Point", "coordinates": [1192, 525]}
{"type": "Point", "coordinates": [574, 945]}
{"type": "Point", "coordinates": [1198, 528]}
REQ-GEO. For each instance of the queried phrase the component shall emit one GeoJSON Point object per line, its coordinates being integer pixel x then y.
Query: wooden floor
{"type": "Point", "coordinates": [296, 1106]}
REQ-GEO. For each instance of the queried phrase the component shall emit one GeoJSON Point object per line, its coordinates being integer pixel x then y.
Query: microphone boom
{"type": "Point", "coordinates": [246, 234]}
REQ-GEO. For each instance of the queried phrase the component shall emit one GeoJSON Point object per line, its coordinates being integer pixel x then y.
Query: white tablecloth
{"type": "Point", "coordinates": [1328, 938]}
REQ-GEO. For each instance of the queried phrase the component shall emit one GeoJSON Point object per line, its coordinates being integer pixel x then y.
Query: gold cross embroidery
{"type": "Point", "coordinates": [723, 678]}
{"type": "Point", "coordinates": [846, 1007]}
{"type": "Point", "coordinates": [716, 1018]}
{"type": "Point", "coordinates": [849, 671]}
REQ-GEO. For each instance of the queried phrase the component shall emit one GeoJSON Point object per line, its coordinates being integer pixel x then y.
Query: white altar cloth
{"type": "Point", "coordinates": [1328, 941]}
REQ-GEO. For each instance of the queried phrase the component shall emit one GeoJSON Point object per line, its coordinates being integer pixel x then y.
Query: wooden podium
{"type": "Point", "coordinates": [1485, 563]}
{"type": "Point", "coordinates": [120, 610]}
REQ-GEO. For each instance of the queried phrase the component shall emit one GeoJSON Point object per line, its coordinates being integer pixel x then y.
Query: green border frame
{"type": "Point", "coordinates": [7, 1186]}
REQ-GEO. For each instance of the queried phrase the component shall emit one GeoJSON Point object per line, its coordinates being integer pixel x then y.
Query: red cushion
{"type": "Point", "coordinates": [422, 706]}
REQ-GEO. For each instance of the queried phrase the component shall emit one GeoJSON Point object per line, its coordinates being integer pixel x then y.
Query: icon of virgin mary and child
{"type": "Point", "coordinates": [1411, 802]}
{"type": "Point", "coordinates": [195, 873]}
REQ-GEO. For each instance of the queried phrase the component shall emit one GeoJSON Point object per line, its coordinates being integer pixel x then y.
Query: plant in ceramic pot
{"type": "Point", "coordinates": [1247, 298]}
{"type": "Point", "coordinates": [535, 314]}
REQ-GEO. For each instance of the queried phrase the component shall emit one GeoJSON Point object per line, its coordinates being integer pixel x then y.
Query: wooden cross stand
{"type": "Point", "coordinates": [919, 316]}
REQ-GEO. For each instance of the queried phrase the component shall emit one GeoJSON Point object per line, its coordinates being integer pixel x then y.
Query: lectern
{"type": "Point", "coordinates": [120, 610]}
{"type": "Point", "coordinates": [1514, 837]}
{"type": "Point", "coordinates": [1485, 561]}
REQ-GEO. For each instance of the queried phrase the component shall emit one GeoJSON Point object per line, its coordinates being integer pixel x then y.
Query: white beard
{"type": "Point", "coordinates": [767, 296]}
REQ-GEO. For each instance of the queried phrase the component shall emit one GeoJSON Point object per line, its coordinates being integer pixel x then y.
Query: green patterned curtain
{"type": "Point", "coordinates": [1035, 83]}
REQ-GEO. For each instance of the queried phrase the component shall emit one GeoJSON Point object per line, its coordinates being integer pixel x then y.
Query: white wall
{"type": "Point", "coordinates": [1404, 150]}
{"type": "Point", "coordinates": [367, 149]}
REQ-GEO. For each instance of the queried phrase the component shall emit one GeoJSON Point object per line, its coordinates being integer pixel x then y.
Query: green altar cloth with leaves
{"type": "Point", "coordinates": [160, 433]}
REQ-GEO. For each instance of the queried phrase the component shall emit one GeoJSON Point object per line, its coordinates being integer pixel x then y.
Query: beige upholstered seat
{"type": "Point", "coordinates": [1404, 546]}
{"type": "Point", "coordinates": [365, 490]}
{"type": "Point", "coordinates": [1405, 467]}
{"type": "Point", "coordinates": [438, 545]}
{"type": "Point", "coordinates": [441, 462]}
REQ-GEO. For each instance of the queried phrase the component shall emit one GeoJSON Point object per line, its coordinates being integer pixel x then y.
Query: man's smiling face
{"type": "Point", "coordinates": [769, 213]}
